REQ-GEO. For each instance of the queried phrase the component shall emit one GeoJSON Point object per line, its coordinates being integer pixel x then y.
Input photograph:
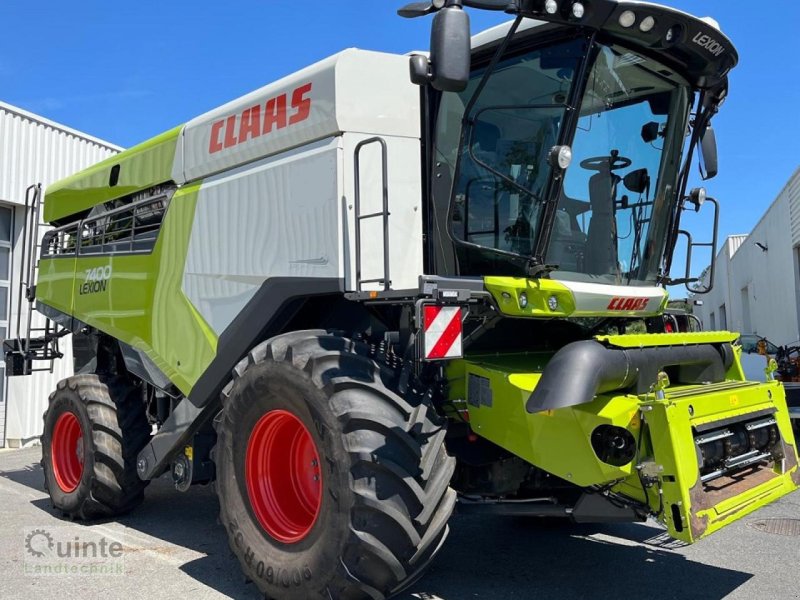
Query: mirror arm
{"type": "Point", "coordinates": [504, 5]}
{"type": "Point", "coordinates": [683, 182]}
{"type": "Point", "coordinates": [501, 50]}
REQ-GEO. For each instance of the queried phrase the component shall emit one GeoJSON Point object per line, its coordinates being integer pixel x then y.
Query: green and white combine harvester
{"type": "Point", "coordinates": [386, 286]}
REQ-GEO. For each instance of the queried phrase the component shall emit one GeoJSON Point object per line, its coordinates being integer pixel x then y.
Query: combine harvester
{"type": "Point", "coordinates": [357, 299]}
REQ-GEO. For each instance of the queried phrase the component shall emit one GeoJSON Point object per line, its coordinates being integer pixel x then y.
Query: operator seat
{"type": "Point", "coordinates": [601, 242]}
{"type": "Point", "coordinates": [567, 243]}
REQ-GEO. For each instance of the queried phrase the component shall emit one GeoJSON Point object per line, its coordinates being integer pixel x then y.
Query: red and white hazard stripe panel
{"type": "Point", "coordinates": [442, 331]}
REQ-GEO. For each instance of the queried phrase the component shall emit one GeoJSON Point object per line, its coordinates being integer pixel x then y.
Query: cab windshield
{"type": "Point", "coordinates": [613, 207]}
{"type": "Point", "coordinates": [613, 210]}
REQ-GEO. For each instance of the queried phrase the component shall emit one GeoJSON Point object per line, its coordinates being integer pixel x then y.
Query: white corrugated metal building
{"type": "Point", "coordinates": [32, 150]}
{"type": "Point", "coordinates": [757, 279]}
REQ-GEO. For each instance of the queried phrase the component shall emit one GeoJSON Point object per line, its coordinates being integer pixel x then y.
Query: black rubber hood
{"type": "Point", "coordinates": [581, 370]}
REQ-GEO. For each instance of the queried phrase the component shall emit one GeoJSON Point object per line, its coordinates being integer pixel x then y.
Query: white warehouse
{"type": "Point", "coordinates": [757, 279]}
{"type": "Point", "coordinates": [32, 150]}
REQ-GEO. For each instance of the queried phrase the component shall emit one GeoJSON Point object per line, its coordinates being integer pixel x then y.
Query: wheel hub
{"type": "Point", "coordinates": [283, 475]}
{"type": "Point", "coordinates": [66, 448]}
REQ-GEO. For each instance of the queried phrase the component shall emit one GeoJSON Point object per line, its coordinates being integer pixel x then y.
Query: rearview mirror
{"type": "Point", "coordinates": [650, 132]}
{"type": "Point", "coordinates": [708, 154]}
{"type": "Point", "coordinates": [447, 69]}
{"type": "Point", "coordinates": [450, 50]}
{"type": "Point", "coordinates": [637, 181]}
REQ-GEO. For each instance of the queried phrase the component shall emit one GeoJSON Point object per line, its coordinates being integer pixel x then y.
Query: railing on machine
{"type": "Point", "coordinates": [384, 213]}
{"type": "Point", "coordinates": [25, 348]}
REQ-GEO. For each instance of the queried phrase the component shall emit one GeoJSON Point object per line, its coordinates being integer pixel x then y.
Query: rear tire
{"type": "Point", "coordinates": [94, 428]}
{"type": "Point", "coordinates": [380, 513]}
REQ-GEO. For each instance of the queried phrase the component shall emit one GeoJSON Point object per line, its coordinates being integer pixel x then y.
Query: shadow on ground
{"type": "Point", "coordinates": [29, 476]}
{"type": "Point", "coordinates": [487, 557]}
{"type": "Point", "coordinates": [510, 559]}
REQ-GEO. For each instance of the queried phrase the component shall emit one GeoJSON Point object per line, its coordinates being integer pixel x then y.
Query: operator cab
{"type": "Point", "coordinates": [567, 151]}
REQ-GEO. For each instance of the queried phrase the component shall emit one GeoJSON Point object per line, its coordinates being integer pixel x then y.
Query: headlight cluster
{"type": "Point", "coordinates": [628, 19]}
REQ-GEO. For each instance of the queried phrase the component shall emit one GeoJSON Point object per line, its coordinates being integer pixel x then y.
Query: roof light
{"type": "Point", "coordinates": [551, 7]}
{"type": "Point", "coordinates": [647, 24]}
{"type": "Point", "coordinates": [578, 10]}
{"type": "Point", "coordinates": [627, 19]}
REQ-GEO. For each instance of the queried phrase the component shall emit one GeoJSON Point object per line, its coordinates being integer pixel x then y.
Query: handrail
{"type": "Point", "coordinates": [57, 242]}
{"type": "Point", "coordinates": [385, 280]}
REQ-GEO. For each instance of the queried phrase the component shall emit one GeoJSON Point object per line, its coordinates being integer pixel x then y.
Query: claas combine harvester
{"type": "Point", "coordinates": [386, 286]}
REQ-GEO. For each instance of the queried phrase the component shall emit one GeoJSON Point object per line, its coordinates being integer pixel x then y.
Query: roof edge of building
{"type": "Point", "coordinates": [58, 126]}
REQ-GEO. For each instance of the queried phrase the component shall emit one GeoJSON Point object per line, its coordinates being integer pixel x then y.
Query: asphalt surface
{"type": "Point", "coordinates": [171, 546]}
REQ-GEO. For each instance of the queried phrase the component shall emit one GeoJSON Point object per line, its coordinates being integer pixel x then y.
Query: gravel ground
{"type": "Point", "coordinates": [171, 546]}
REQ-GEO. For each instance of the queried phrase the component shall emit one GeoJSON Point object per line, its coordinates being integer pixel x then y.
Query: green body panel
{"type": "Point", "coordinates": [643, 340]}
{"type": "Point", "coordinates": [123, 308]}
{"type": "Point", "coordinates": [142, 302]}
{"type": "Point", "coordinates": [182, 340]}
{"type": "Point", "coordinates": [55, 284]}
{"type": "Point", "coordinates": [556, 441]}
{"type": "Point", "coordinates": [506, 291]}
{"type": "Point", "coordinates": [559, 441]}
{"type": "Point", "coordinates": [140, 168]}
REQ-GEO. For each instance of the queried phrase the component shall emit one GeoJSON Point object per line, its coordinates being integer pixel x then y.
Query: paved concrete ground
{"type": "Point", "coordinates": [172, 547]}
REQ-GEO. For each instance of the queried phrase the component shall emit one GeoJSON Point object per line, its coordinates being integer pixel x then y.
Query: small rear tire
{"type": "Point", "coordinates": [94, 428]}
{"type": "Point", "coordinates": [331, 485]}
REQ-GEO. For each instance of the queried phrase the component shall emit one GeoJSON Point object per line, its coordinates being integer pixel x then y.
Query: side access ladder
{"type": "Point", "coordinates": [31, 345]}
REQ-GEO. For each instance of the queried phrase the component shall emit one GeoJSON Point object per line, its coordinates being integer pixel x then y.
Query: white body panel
{"type": "Point", "coordinates": [353, 91]}
{"type": "Point", "coordinates": [405, 208]}
{"type": "Point", "coordinates": [599, 298]}
{"type": "Point", "coordinates": [278, 217]}
{"type": "Point", "coordinates": [293, 215]}
{"type": "Point", "coordinates": [281, 203]}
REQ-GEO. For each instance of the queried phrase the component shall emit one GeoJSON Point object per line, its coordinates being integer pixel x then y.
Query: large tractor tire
{"type": "Point", "coordinates": [94, 427]}
{"type": "Point", "coordinates": [331, 485]}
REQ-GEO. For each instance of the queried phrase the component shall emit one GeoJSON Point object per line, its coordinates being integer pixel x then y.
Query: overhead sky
{"type": "Point", "coordinates": [125, 71]}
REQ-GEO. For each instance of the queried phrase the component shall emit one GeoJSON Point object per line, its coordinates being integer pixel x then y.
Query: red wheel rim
{"type": "Point", "coordinates": [66, 448]}
{"type": "Point", "coordinates": [284, 480]}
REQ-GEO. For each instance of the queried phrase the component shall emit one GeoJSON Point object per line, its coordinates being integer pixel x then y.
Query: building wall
{"type": "Point", "coordinates": [759, 287]}
{"type": "Point", "coordinates": [33, 150]}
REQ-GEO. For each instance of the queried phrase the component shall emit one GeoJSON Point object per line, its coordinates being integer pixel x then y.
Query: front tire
{"type": "Point", "coordinates": [351, 497]}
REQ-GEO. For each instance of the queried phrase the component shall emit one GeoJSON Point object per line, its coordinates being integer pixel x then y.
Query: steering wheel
{"type": "Point", "coordinates": [606, 163]}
